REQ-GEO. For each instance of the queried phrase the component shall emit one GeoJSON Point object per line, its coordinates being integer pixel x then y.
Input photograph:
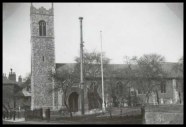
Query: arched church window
{"type": "Point", "coordinates": [42, 28]}
{"type": "Point", "coordinates": [119, 88]}
{"type": "Point", "coordinates": [163, 87]}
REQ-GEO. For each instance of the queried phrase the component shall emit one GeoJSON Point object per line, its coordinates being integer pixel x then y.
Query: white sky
{"type": "Point", "coordinates": [128, 29]}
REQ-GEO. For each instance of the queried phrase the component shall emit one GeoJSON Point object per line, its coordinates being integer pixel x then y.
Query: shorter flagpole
{"type": "Point", "coordinates": [103, 98]}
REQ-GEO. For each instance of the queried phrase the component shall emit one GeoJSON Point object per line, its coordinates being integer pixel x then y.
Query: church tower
{"type": "Point", "coordinates": [42, 57]}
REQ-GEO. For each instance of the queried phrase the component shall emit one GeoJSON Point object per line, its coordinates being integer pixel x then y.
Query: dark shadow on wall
{"type": "Point", "coordinates": [94, 100]}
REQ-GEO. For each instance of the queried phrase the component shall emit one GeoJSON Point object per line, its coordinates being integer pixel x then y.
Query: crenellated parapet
{"type": "Point", "coordinates": [41, 14]}
{"type": "Point", "coordinates": [41, 11]}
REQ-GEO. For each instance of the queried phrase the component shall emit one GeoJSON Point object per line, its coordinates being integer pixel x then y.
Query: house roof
{"type": "Point", "coordinates": [7, 81]}
{"type": "Point", "coordinates": [26, 93]}
{"type": "Point", "coordinates": [19, 87]}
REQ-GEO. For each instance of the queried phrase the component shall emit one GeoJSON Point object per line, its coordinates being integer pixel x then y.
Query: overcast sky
{"type": "Point", "coordinates": [128, 29]}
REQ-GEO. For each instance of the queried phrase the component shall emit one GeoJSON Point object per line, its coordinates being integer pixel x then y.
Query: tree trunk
{"type": "Point", "coordinates": [5, 115]}
{"type": "Point", "coordinates": [5, 108]}
{"type": "Point", "coordinates": [110, 112]}
{"type": "Point", "coordinates": [129, 99]}
{"type": "Point", "coordinates": [157, 95]}
{"type": "Point", "coordinates": [68, 108]}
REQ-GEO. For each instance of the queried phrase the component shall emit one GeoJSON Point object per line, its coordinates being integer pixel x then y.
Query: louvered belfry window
{"type": "Point", "coordinates": [42, 28]}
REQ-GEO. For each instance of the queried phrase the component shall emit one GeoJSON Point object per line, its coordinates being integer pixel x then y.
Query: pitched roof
{"type": "Point", "coordinates": [26, 93]}
{"type": "Point", "coordinates": [167, 66]}
{"type": "Point", "coordinates": [65, 65]}
{"type": "Point", "coordinates": [60, 66]}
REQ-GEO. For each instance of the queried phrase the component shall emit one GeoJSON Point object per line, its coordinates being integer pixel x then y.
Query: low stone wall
{"type": "Point", "coordinates": [164, 114]}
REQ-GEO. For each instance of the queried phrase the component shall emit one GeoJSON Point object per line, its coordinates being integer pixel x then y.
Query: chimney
{"type": "Point", "coordinates": [12, 76]}
{"type": "Point", "coordinates": [20, 79]}
{"type": "Point", "coordinates": [4, 76]}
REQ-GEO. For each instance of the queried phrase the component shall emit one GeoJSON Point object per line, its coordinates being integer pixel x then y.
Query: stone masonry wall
{"type": "Point", "coordinates": [168, 114]}
{"type": "Point", "coordinates": [167, 97]}
{"type": "Point", "coordinates": [42, 58]}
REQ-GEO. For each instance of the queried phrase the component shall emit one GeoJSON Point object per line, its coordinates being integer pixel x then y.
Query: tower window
{"type": "Point", "coordinates": [42, 28]}
{"type": "Point", "coordinates": [43, 58]}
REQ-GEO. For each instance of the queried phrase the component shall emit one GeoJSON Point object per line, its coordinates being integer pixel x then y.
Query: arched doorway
{"type": "Point", "coordinates": [73, 101]}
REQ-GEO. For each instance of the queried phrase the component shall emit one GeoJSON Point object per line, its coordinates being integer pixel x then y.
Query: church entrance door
{"type": "Point", "coordinates": [73, 102]}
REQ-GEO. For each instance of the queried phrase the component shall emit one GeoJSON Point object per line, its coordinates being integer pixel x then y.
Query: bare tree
{"type": "Point", "coordinates": [119, 81]}
{"type": "Point", "coordinates": [92, 63]}
{"type": "Point", "coordinates": [118, 88]}
{"type": "Point", "coordinates": [150, 74]}
{"type": "Point", "coordinates": [146, 71]}
{"type": "Point", "coordinates": [92, 70]}
{"type": "Point", "coordinates": [8, 98]}
{"type": "Point", "coordinates": [64, 80]}
{"type": "Point", "coordinates": [11, 94]}
{"type": "Point", "coordinates": [69, 76]}
{"type": "Point", "coordinates": [179, 66]}
{"type": "Point", "coordinates": [130, 73]}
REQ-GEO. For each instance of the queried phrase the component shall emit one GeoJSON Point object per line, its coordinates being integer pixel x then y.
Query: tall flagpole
{"type": "Point", "coordinates": [81, 67]}
{"type": "Point", "coordinates": [103, 97]}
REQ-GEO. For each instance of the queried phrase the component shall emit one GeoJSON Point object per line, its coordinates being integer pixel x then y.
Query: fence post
{"type": "Point", "coordinates": [25, 114]}
{"type": "Point", "coordinates": [28, 114]}
{"type": "Point", "coordinates": [3, 115]}
{"type": "Point", "coordinates": [18, 114]}
{"type": "Point", "coordinates": [10, 114]}
{"type": "Point", "coordinates": [120, 112]}
{"type": "Point", "coordinates": [37, 114]}
{"type": "Point", "coordinates": [143, 113]}
{"type": "Point", "coordinates": [48, 114]}
{"type": "Point", "coordinates": [32, 113]}
{"type": "Point", "coordinates": [41, 113]}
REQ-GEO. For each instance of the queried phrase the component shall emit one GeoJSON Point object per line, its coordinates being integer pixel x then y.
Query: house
{"type": "Point", "coordinates": [14, 94]}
